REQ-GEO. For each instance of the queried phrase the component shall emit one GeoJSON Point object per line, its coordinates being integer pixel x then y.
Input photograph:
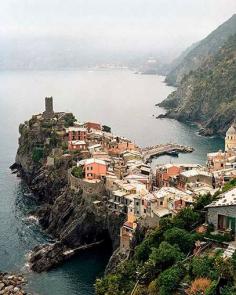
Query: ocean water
{"type": "Point", "coordinates": [120, 99]}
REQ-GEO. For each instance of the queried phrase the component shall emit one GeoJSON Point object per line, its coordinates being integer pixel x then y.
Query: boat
{"type": "Point", "coordinates": [172, 153]}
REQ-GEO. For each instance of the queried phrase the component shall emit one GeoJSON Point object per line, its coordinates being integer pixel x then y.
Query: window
{"type": "Point", "coordinates": [91, 168]}
{"type": "Point", "coordinates": [161, 203]}
{"type": "Point", "coordinates": [142, 202]}
{"type": "Point", "coordinates": [88, 168]}
{"type": "Point", "coordinates": [144, 210]}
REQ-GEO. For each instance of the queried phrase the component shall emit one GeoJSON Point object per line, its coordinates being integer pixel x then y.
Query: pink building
{"type": "Point", "coordinates": [76, 133]}
{"type": "Point", "coordinates": [94, 168]}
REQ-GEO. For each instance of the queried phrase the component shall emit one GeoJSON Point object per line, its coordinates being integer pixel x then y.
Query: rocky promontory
{"type": "Point", "coordinates": [77, 218]}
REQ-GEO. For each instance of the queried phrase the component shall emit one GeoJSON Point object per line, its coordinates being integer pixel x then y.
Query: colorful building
{"type": "Point", "coordinates": [165, 173]}
{"type": "Point", "coordinates": [95, 168]}
{"type": "Point", "coordinates": [76, 133]}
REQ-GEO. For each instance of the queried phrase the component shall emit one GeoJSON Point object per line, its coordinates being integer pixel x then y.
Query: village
{"type": "Point", "coordinates": [113, 170]}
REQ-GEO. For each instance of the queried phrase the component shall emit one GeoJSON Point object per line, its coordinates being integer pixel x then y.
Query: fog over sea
{"type": "Point", "coordinates": [117, 98]}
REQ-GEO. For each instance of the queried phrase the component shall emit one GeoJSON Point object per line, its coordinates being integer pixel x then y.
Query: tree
{"type": "Point", "coordinates": [106, 128]}
{"type": "Point", "coordinates": [69, 120]}
{"type": "Point", "coordinates": [165, 256]}
{"type": "Point", "coordinates": [186, 218]}
{"type": "Point", "coordinates": [203, 201]}
{"type": "Point", "coordinates": [169, 280]}
{"type": "Point", "coordinates": [142, 251]}
{"type": "Point", "coordinates": [180, 237]}
{"type": "Point", "coordinates": [78, 172]}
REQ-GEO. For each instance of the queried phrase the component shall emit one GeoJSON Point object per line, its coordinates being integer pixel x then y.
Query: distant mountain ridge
{"type": "Point", "coordinates": [199, 52]}
{"type": "Point", "coordinates": [208, 95]}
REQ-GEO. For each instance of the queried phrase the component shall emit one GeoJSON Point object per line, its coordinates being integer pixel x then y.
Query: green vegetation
{"type": "Point", "coordinates": [161, 264]}
{"type": "Point", "coordinates": [37, 154]}
{"type": "Point", "coordinates": [208, 94]}
{"type": "Point", "coordinates": [69, 120]}
{"type": "Point", "coordinates": [78, 172]}
{"type": "Point", "coordinates": [54, 140]}
{"type": "Point", "coordinates": [106, 128]}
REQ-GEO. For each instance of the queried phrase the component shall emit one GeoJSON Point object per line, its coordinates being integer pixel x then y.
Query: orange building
{"type": "Point", "coordinates": [95, 168]}
{"type": "Point", "coordinates": [165, 173]}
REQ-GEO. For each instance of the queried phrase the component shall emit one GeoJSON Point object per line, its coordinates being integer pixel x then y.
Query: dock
{"type": "Point", "coordinates": [164, 149]}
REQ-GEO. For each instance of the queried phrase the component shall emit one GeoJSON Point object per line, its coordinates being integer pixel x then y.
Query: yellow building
{"type": "Point", "coordinates": [230, 138]}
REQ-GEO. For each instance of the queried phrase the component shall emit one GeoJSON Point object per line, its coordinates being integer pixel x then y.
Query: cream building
{"type": "Point", "coordinates": [230, 139]}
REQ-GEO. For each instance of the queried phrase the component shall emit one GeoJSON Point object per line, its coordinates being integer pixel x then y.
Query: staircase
{"type": "Point", "coordinates": [229, 251]}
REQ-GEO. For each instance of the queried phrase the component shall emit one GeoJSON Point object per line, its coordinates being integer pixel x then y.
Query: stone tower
{"type": "Point", "coordinates": [48, 113]}
{"type": "Point", "coordinates": [230, 138]}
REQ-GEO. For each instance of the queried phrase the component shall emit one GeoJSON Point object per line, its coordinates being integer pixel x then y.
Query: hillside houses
{"type": "Point", "coordinates": [222, 212]}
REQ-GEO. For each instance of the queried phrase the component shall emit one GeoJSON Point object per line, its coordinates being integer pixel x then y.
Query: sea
{"type": "Point", "coordinates": [121, 99]}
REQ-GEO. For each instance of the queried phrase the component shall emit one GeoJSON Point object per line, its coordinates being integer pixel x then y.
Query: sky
{"type": "Point", "coordinates": [153, 27]}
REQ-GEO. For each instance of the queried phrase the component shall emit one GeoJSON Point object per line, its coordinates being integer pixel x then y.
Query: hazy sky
{"type": "Point", "coordinates": [115, 25]}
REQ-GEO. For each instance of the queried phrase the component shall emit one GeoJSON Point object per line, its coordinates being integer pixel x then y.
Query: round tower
{"type": "Point", "coordinates": [230, 138]}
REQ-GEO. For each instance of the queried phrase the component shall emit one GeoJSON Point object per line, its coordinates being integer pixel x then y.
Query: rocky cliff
{"type": "Point", "coordinates": [199, 52]}
{"type": "Point", "coordinates": [68, 215]}
{"type": "Point", "coordinates": [208, 95]}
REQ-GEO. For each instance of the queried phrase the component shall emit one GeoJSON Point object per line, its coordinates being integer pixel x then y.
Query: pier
{"type": "Point", "coordinates": [164, 149]}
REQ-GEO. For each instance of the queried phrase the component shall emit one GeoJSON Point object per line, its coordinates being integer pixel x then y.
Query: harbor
{"type": "Point", "coordinates": [164, 149]}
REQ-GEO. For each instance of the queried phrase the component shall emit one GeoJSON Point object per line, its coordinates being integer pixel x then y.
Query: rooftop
{"type": "Point", "coordinates": [78, 142]}
{"type": "Point", "coordinates": [73, 128]}
{"type": "Point", "coordinates": [195, 172]}
{"type": "Point", "coordinates": [225, 199]}
{"type": "Point", "coordinates": [171, 190]}
{"type": "Point", "coordinates": [93, 160]}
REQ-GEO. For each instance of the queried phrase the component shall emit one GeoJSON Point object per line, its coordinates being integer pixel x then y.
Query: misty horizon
{"type": "Point", "coordinates": [78, 33]}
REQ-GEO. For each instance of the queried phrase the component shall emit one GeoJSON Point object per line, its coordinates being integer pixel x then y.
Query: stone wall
{"type": "Point", "coordinates": [212, 214]}
{"type": "Point", "coordinates": [91, 190]}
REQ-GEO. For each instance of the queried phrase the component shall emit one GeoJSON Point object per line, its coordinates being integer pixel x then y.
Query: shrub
{"type": "Point", "coordinates": [234, 260]}
{"type": "Point", "coordinates": [37, 154]}
{"type": "Point", "coordinates": [169, 280]}
{"type": "Point", "coordinates": [199, 286]}
{"type": "Point", "coordinates": [203, 267]}
{"type": "Point", "coordinates": [78, 172]}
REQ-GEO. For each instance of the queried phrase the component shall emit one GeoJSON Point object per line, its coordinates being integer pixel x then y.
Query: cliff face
{"type": "Point", "coordinates": [198, 53]}
{"type": "Point", "coordinates": [208, 95]}
{"type": "Point", "coordinates": [69, 215]}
